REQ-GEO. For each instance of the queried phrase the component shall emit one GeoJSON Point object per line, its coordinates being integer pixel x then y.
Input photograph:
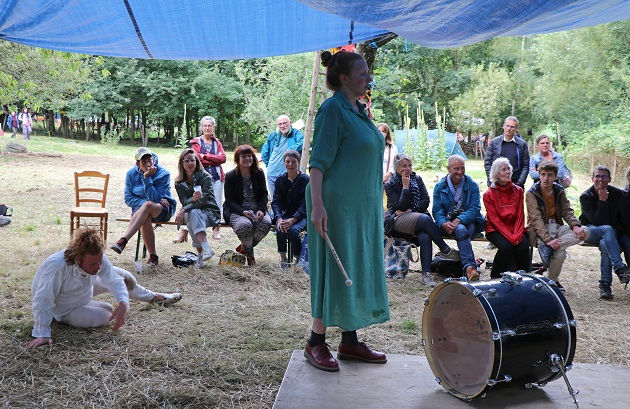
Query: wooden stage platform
{"type": "Point", "coordinates": [406, 382]}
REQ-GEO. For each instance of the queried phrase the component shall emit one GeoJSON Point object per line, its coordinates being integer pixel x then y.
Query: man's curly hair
{"type": "Point", "coordinates": [85, 241]}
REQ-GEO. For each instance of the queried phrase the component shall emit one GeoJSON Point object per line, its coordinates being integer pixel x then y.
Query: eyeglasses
{"type": "Point", "coordinates": [189, 161]}
{"type": "Point", "coordinates": [603, 177]}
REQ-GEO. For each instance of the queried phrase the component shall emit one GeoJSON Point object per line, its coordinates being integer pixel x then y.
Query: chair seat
{"type": "Point", "coordinates": [88, 211]}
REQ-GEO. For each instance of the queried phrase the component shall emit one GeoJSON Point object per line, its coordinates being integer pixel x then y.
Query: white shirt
{"type": "Point", "coordinates": [59, 288]}
{"type": "Point", "coordinates": [394, 152]}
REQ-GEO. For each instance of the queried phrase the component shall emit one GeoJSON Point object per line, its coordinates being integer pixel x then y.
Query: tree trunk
{"type": "Point", "coordinates": [144, 130]}
{"type": "Point", "coordinates": [368, 48]}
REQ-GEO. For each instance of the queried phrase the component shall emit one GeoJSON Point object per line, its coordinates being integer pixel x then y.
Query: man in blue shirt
{"type": "Point", "coordinates": [278, 142]}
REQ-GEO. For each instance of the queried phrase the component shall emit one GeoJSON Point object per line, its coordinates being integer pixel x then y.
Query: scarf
{"type": "Point", "coordinates": [414, 189]}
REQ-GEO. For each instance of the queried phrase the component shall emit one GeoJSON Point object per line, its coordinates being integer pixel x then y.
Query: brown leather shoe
{"type": "Point", "coordinates": [320, 357]}
{"type": "Point", "coordinates": [361, 352]}
{"type": "Point", "coordinates": [472, 273]}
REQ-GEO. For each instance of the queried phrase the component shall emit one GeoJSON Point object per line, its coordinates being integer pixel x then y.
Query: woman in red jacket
{"type": "Point", "coordinates": [505, 227]}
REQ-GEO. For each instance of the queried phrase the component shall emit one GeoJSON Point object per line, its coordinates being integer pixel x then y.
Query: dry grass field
{"type": "Point", "coordinates": [228, 342]}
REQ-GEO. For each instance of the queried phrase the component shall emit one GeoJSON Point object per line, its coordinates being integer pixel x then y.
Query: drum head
{"type": "Point", "coordinates": [458, 336]}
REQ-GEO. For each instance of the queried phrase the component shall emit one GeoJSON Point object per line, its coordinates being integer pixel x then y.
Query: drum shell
{"type": "Point", "coordinates": [477, 333]}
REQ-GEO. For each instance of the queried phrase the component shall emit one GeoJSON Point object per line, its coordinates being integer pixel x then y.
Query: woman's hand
{"type": "Point", "coordinates": [406, 178]}
{"type": "Point", "coordinates": [285, 224]}
{"type": "Point", "coordinates": [179, 217]}
{"type": "Point", "coordinates": [249, 214]}
{"type": "Point", "coordinates": [319, 217]}
{"type": "Point", "coordinates": [196, 196]}
{"type": "Point", "coordinates": [260, 215]}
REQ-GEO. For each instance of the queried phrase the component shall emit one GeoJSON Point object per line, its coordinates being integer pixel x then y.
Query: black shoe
{"type": "Point", "coordinates": [624, 274]}
{"type": "Point", "coordinates": [605, 292]}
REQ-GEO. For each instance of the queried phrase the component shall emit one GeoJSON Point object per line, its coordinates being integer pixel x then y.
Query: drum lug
{"type": "Point", "coordinates": [491, 292]}
{"type": "Point", "coordinates": [492, 382]}
{"type": "Point", "coordinates": [538, 286]}
{"type": "Point", "coordinates": [477, 292]}
{"type": "Point", "coordinates": [512, 279]}
{"type": "Point", "coordinates": [498, 335]}
{"type": "Point", "coordinates": [560, 325]}
{"type": "Point", "coordinates": [438, 380]}
{"type": "Point", "coordinates": [573, 323]}
{"type": "Point", "coordinates": [423, 342]}
{"type": "Point", "coordinates": [426, 302]}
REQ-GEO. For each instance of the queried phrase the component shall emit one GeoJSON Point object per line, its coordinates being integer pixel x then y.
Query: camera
{"type": "Point", "coordinates": [452, 215]}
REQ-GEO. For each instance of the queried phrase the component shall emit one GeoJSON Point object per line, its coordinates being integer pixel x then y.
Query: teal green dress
{"type": "Point", "coordinates": [348, 149]}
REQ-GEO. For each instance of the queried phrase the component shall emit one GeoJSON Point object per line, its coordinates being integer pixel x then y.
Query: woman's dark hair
{"type": "Point", "coordinates": [540, 138]}
{"type": "Point", "coordinates": [245, 150]}
{"type": "Point", "coordinates": [339, 63]}
{"type": "Point", "coordinates": [181, 173]}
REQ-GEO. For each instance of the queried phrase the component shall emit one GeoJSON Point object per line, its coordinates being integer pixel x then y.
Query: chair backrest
{"type": "Point", "coordinates": [87, 187]}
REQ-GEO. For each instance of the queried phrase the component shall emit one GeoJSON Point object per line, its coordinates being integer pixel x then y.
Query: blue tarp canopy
{"type": "Point", "coordinates": [235, 29]}
{"type": "Point", "coordinates": [452, 146]}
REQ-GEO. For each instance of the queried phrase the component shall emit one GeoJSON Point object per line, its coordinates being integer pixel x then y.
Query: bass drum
{"type": "Point", "coordinates": [499, 332]}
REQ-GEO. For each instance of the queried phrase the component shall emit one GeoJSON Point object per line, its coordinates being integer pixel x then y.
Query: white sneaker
{"type": "Point", "coordinates": [428, 280]}
{"type": "Point", "coordinates": [167, 299]}
{"type": "Point", "coordinates": [206, 254]}
{"type": "Point", "coordinates": [200, 263]}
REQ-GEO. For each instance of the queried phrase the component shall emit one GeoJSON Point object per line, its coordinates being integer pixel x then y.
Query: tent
{"type": "Point", "coordinates": [234, 29]}
{"type": "Point", "coordinates": [452, 146]}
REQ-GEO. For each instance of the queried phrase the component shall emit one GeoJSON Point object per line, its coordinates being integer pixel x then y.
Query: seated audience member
{"type": "Point", "coordinates": [289, 207]}
{"type": "Point", "coordinates": [407, 214]}
{"type": "Point", "coordinates": [245, 206]}
{"type": "Point", "coordinates": [598, 215]}
{"type": "Point", "coordinates": [623, 218]}
{"type": "Point", "coordinates": [199, 209]}
{"type": "Point", "coordinates": [544, 146]}
{"type": "Point", "coordinates": [148, 193]}
{"type": "Point", "coordinates": [547, 210]}
{"type": "Point", "coordinates": [457, 211]}
{"type": "Point", "coordinates": [66, 282]}
{"type": "Point", "coordinates": [505, 220]}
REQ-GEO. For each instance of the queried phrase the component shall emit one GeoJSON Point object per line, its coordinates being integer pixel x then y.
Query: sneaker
{"type": "Point", "coordinates": [428, 280]}
{"type": "Point", "coordinates": [153, 260]}
{"type": "Point", "coordinates": [490, 246]}
{"type": "Point", "coordinates": [605, 292]}
{"type": "Point", "coordinates": [206, 254]}
{"type": "Point", "coordinates": [285, 265]}
{"type": "Point", "coordinates": [624, 274]}
{"type": "Point", "coordinates": [4, 220]}
{"type": "Point", "coordinates": [166, 299]}
{"type": "Point", "coordinates": [472, 273]}
{"type": "Point", "coordinates": [216, 235]}
{"type": "Point", "coordinates": [452, 254]}
{"type": "Point", "coordinates": [120, 245]}
{"type": "Point", "coordinates": [200, 263]}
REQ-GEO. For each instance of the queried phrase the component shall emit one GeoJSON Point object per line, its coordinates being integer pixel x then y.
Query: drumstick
{"type": "Point", "coordinates": [334, 253]}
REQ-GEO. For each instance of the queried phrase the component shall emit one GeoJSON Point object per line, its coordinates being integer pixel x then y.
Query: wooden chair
{"type": "Point", "coordinates": [87, 190]}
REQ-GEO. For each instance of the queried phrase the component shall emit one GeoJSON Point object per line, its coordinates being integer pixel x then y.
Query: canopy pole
{"type": "Point", "coordinates": [311, 114]}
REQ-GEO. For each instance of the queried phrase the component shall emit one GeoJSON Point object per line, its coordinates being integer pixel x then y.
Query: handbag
{"type": "Point", "coordinates": [5, 210]}
{"type": "Point", "coordinates": [187, 260]}
{"type": "Point", "coordinates": [398, 254]}
{"type": "Point", "coordinates": [303, 259]}
{"type": "Point", "coordinates": [231, 258]}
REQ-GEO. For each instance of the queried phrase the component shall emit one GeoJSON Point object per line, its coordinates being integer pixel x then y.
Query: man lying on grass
{"type": "Point", "coordinates": [65, 283]}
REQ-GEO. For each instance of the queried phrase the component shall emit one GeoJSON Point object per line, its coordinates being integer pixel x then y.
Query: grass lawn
{"type": "Point", "coordinates": [228, 342]}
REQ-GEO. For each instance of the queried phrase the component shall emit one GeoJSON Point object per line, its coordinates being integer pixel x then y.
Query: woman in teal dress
{"type": "Point", "coordinates": [344, 199]}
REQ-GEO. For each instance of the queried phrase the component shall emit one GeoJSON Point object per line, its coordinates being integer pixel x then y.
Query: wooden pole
{"type": "Point", "coordinates": [311, 114]}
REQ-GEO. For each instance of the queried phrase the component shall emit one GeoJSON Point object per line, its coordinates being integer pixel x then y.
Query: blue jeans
{"type": "Point", "coordinates": [463, 235]}
{"type": "Point", "coordinates": [606, 238]}
{"type": "Point", "coordinates": [294, 236]}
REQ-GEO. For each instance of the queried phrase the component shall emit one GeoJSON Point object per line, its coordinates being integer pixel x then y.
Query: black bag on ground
{"type": "Point", "coordinates": [187, 260]}
{"type": "Point", "coordinates": [447, 268]}
{"type": "Point", "coordinates": [5, 210]}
